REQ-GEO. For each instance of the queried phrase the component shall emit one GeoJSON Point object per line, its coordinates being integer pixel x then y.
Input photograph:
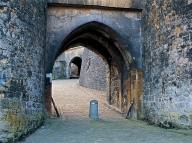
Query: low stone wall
{"type": "Point", "coordinates": [22, 43]}
{"type": "Point", "coordinates": [93, 71]}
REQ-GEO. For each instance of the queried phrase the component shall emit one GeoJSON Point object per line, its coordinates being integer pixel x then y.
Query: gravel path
{"type": "Point", "coordinates": [75, 126]}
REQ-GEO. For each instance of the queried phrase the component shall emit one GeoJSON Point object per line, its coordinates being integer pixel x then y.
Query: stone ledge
{"type": "Point", "coordinates": [131, 4]}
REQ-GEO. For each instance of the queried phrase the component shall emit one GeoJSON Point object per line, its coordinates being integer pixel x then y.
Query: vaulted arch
{"type": "Point", "coordinates": [99, 38]}
{"type": "Point", "coordinates": [112, 48]}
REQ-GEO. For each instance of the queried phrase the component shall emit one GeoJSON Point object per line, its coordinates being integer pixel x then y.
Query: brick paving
{"type": "Point", "coordinates": [75, 126]}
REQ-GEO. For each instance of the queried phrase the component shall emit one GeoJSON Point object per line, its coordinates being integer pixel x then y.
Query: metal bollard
{"type": "Point", "coordinates": [93, 112]}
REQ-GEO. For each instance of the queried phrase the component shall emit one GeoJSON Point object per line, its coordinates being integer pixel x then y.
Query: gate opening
{"type": "Point", "coordinates": [75, 67]}
{"type": "Point", "coordinates": [110, 46]}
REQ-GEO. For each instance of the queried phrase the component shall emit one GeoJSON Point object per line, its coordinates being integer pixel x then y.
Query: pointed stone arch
{"type": "Point", "coordinates": [114, 39]}
{"type": "Point", "coordinates": [105, 42]}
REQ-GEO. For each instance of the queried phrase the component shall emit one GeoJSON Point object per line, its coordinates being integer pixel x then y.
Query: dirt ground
{"type": "Point", "coordinates": [75, 126]}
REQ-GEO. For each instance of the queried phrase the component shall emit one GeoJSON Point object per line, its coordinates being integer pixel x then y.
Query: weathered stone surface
{"type": "Point", "coordinates": [22, 43]}
{"type": "Point", "coordinates": [93, 71]}
{"type": "Point", "coordinates": [167, 61]}
{"type": "Point", "coordinates": [104, 3]}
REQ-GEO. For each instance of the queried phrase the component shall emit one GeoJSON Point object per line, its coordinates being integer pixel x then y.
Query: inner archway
{"type": "Point", "coordinates": [75, 67]}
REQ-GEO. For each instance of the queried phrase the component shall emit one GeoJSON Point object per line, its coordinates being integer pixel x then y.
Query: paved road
{"type": "Point", "coordinates": [76, 127]}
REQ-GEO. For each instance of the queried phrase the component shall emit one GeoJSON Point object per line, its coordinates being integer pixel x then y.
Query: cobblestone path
{"type": "Point", "coordinates": [75, 126]}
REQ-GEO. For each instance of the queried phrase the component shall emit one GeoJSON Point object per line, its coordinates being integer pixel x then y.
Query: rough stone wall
{"type": "Point", "coordinates": [115, 86]}
{"type": "Point", "coordinates": [167, 62]}
{"type": "Point", "coordinates": [93, 71]}
{"type": "Point", "coordinates": [22, 41]}
{"type": "Point", "coordinates": [61, 68]}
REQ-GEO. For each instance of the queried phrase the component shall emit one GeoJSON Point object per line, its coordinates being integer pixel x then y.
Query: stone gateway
{"type": "Point", "coordinates": [145, 45]}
